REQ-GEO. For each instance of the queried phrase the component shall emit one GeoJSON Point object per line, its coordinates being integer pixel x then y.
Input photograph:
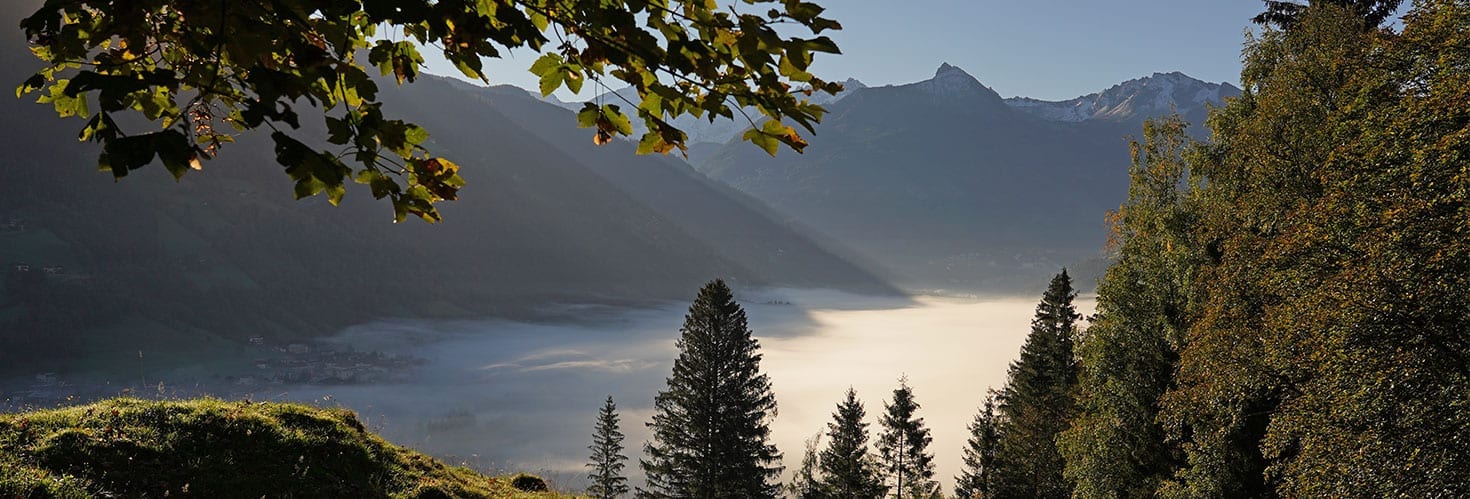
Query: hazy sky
{"type": "Point", "coordinates": [1048, 49]}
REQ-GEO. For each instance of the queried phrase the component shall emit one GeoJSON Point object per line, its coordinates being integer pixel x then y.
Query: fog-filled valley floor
{"type": "Point", "coordinates": [501, 395]}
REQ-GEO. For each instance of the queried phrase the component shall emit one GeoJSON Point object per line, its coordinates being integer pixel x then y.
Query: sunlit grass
{"type": "Point", "coordinates": [215, 448]}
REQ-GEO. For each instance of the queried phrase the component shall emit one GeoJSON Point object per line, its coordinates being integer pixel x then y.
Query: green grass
{"type": "Point", "coordinates": [213, 448]}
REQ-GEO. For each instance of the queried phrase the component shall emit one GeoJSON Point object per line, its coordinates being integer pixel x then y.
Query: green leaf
{"type": "Point", "coordinates": [759, 138]}
{"type": "Point", "coordinates": [823, 44]}
{"type": "Point", "coordinates": [617, 119]}
{"type": "Point", "coordinates": [653, 104]}
{"type": "Point", "coordinates": [415, 135]}
{"type": "Point", "coordinates": [335, 192]}
{"type": "Point", "coordinates": [652, 142]}
{"type": "Point", "coordinates": [66, 105]}
{"type": "Point", "coordinates": [308, 187]}
{"type": "Point", "coordinates": [587, 117]}
{"type": "Point", "coordinates": [551, 81]}
{"type": "Point", "coordinates": [546, 63]}
{"type": "Point", "coordinates": [573, 79]}
{"type": "Point", "coordinates": [406, 62]}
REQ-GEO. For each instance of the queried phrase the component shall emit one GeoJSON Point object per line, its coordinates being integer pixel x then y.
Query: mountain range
{"type": "Point", "coordinates": [1134, 100]}
{"type": "Point", "coordinates": [940, 183]}
{"type": "Point", "coordinates": [943, 183]}
{"type": "Point", "coordinates": [95, 266]}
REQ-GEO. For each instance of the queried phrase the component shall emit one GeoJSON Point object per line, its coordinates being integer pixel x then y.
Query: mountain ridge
{"type": "Point", "coordinates": [1133, 99]}
{"type": "Point", "coordinates": [947, 185]}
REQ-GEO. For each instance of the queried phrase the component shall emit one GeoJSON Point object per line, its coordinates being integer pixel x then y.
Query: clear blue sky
{"type": "Point", "coordinates": [1048, 49]}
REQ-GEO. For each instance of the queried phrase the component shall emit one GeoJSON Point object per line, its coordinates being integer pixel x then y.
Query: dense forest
{"type": "Point", "coordinates": [1286, 314]}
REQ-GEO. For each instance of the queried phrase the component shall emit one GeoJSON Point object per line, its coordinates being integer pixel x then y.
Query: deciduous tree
{"type": "Point", "coordinates": [1116, 446]}
{"type": "Point", "coordinates": [805, 484]}
{"type": "Point", "coordinates": [1329, 355]}
{"type": "Point", "coordinates": [175, 80]}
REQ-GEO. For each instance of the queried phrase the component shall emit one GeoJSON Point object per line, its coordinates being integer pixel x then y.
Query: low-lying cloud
{"type": "Point", "coordinates": [514, 396]}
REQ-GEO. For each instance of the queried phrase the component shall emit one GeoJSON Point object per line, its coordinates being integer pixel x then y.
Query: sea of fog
{"type": "Point", "coordinates": [512, 396]}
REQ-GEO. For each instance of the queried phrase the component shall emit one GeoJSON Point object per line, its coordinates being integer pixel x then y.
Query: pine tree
{"type": "Point", "coordinates": [904, 446]}
{"type": "Point", "coordinates": [711, 426]}
{"type": "Point", "coordinates": [978, 479]}
{"type": "Point", "coordinates": [1036, 403]}
{"type": "Point", "coordinates": [848, 470]}
{"type": "Point", "coordinates": [607, 455]}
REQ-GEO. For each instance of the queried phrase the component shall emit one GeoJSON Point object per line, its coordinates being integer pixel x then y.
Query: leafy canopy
{"type": "Point", "coordinates": [1286, 14]}
{"type": "Point", "coordinates": [189, 70]}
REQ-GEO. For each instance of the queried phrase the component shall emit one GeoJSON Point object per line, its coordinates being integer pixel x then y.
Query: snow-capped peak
{"type": "Point", "coordinates": [1154, 95]}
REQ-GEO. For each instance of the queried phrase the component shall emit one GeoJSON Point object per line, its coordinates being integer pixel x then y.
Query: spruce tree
{"type": "Point", "coordinates": [1036, 403]}
{"type": "Point", "coordinates": [711, 426]}
{"type": "Point", "coordinates": [978, 479]}
{"type": "Point", "coordinates": [848, 470]}
{"type": "Point", "coordinates": [904, 446]}
{"type": "Point", "coordinates": [607, 455]}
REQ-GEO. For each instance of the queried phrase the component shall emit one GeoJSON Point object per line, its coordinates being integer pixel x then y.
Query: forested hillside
{"type": "Point", "coordinates": [1287, 315]}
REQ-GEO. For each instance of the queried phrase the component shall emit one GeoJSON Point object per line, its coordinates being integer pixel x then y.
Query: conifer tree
{"type": "Point", "coordinates": [848, 470]}
{"type": "Point", "coordinates": [978, 479]}
{"type": "Point", "coordinates": [711, 426]}
{"type": "Point", "coordinates": [1036, 403]}
{"type": "Point", "coordinates": [607, 455]}
{"type": "Point", "coordinates": [904, 446]}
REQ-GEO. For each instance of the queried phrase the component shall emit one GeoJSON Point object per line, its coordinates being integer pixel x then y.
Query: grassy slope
{"type": "Point", "coordinates": [213, 448]}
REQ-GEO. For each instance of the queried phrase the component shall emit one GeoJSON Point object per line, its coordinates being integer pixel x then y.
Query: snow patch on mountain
{"type": "Point", "coordinates": [1155, 95]}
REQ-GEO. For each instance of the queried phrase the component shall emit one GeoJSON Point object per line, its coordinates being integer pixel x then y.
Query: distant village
{"type": "Point", "coordinates": [302, 364]}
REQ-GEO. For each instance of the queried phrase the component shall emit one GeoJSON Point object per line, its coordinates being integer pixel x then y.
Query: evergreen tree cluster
{"type": "Point", "coordinates": [1012, 449]}
{"type": "Point", "coordinates": [711, 433]}
{"type": "Point", "coordinates": [711, 423]}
